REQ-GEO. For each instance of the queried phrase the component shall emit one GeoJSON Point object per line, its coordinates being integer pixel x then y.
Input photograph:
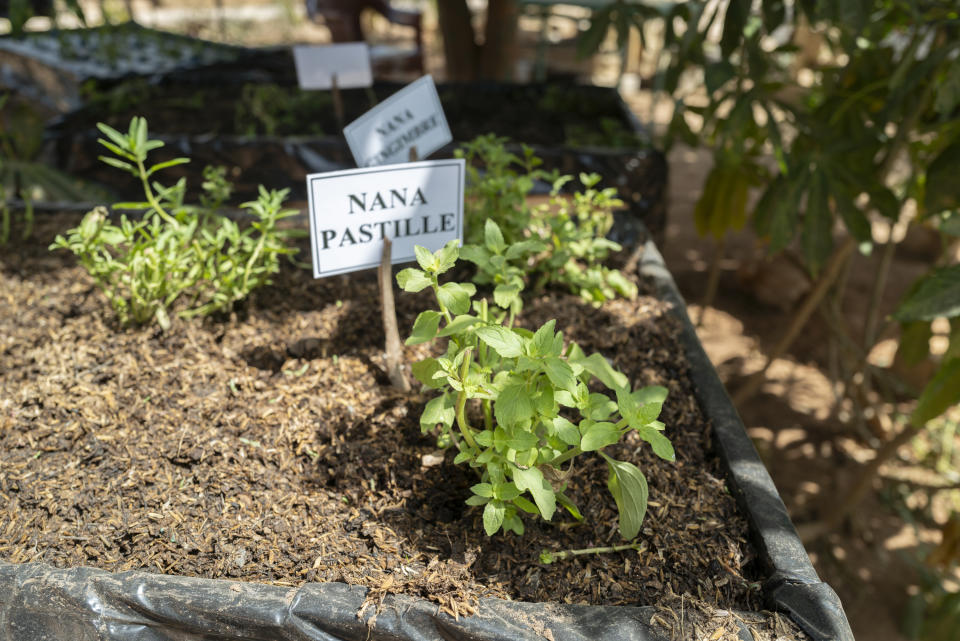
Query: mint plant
{"type": "Point", "coordinates": [176, 251]}
{"type": "Point", "coordinates": [570, 234]}
{"type": "Point", "coordinates": [518, 405]}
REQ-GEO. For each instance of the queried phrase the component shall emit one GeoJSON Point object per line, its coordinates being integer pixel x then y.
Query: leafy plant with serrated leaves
{"type": "Point", "coordinates": [518, 404]}
{"type": "Point", "coordinates": [561, 242]}
{"type": "Point", "coordinates": [175, 251]}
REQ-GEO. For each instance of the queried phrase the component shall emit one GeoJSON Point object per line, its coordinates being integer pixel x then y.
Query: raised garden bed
{"type": "Point", "coordinates": [268, 448]}
{"type": "Point", "coordinates": [252, 119]}
{"type": "Point", "coordinates": [58, 67]}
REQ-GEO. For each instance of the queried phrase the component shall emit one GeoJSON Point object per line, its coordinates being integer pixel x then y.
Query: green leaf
{"type": "Point", "coordinates": [598, 436]}
{"type": "Point", "coordinates": [716, 74]}
{"type": "Point", "coordinates": [493, 237]}
{"type": "Point", "coordinates": [521, 440]}
{"type": "Point", "coordinates": [493, 515]}
{"type": "Point", "coordinates": [942, 187]}
{"type": "Point", "coordinates": [940, 394]}
{"type": "Point", "coordinates": [560, 373]}
{"type": "Point", "coordinates": [413, 280]}
{"type": "Point", "coordinates": [166, 164]}
{"type": "Point", "coordinates": [482, 489]}
{"type": "Point", "coordinates": [525, 505]}
{"type": "Point", "coordinates": [475, 254]}
{"type": "Point", "coordinates": [733, 24]}
{"type": "Point", "coordinates": [502, 340]}
{"type": "Point", "coordinates": [569, 506]}
{"type": "Point", "coordinates": [446, 256]}
{"type": "Point", "coordinates": [456, 297]}
{"type": "Point", "coordinates": [424, 371]}
{"type": "Point", "coordinates": [119, 164]}
{"type": "Point", "coordinates": [425, 327]}
{"type": "Point", "coordinates": [542, 343]}
{"type": "Point", "coordinates": [459, 325]}
{"type": "Point", "coordinates": [936, 294]}
{"type": "Point", "coordinates": [513, 406]}
{"type": "Point", "coordinates": [505, 491]}
{"type": "Point", "coordinates": [661, 444]}
{"type": "Point", "coordinates": [567, 431]}
{"type": "Point", "coordinates": [598, 407]}
{"type": "Point", "coordinates": [505, 295]}
{"type": "Point", "coordinates": [477, 500]}
{"type": "Point", "coordinates": [531, 480]}
{"type": "Point", "coordinates": [425, 259]}
{"type": "Point", "coordinates": [629, 489]}
{"type": "Point", "coordinates": [914, 344]}
{"type": "Point", "coordinates": [600, 368]}
{"type": "Point", "coordinates": [589, 41]}
{"type": "Point", "coordinates": [525, 248]}
{"type": "Point", "coordinates": [438, 410]}
{"type": "Point", "coordinates": [817, 232]}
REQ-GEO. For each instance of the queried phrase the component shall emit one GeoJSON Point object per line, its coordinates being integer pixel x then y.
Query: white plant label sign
{"type": "Point", "coordinates": [352, 211]}
{"type": "Point", "coordinates": [317, 64]}
{"type": "Point", "coordinates": [412, 117]}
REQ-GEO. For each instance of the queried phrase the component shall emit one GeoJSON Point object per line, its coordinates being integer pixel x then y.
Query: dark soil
{"type": "Point", "coordinates": [269, 447]}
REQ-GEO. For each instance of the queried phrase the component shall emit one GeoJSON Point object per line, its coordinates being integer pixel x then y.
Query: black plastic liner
{"type": "Point", "coordinates": [40, 603]}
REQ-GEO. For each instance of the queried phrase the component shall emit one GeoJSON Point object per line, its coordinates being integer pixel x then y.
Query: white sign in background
{"type": "Point", "coordinates": [317, 64]}
{"type": "Point", "coordinates": [412, 117]}
{"type": "Point", "coordinates": [351, 211]}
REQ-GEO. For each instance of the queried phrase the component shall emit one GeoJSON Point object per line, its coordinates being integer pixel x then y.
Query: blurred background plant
{"type": "Point", "coordinates": [843, 119]}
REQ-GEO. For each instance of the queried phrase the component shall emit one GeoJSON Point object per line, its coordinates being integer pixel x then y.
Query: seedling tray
{"type": "Point", "coordinates": [40, 602]}
{"type": "Point", "coordinates": [53, 66]}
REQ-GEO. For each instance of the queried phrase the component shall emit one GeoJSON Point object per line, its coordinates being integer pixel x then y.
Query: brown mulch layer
{"type": "Point", "coordinates": [269, 447]}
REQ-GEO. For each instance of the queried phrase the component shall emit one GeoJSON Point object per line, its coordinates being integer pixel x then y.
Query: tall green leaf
{"type": "Point", "coordinates": [628, 486]}
{"type": "Point", "coordinates": [934, 295]}
{"type": "Point", "coordinates": [940, 394]}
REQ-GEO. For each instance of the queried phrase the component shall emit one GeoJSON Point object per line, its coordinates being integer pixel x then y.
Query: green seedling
{"type": "Point", "coordinates": [175, 252]}
{"type": "Point", "coordinates": [519, 405]}
{"type": "Point", "coordinates": [561, 242]}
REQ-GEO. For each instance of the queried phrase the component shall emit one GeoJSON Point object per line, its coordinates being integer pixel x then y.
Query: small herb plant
{"type": "Point", "coordinates": [563, 241]}
{"type": "Point", "coordinates": [531, 394]}
{"type": "Point", "coordinates": [175, 251]}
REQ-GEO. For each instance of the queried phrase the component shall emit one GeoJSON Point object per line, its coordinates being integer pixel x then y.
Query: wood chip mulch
{"type": "Point", "coordinates": [269, 447]}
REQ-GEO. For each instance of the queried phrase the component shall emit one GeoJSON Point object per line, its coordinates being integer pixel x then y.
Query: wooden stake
{"type": "Point", "coordinates": [414, 156]}
{"type": "Point", "coordinates": [337, 100]}
{"type": "Point", "coordinates": [392, 334]}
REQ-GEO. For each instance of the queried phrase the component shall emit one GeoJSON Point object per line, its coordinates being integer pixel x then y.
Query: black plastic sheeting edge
{"type": "Point", "coordinates": [793, 586]}
{"type": "Point", "coordinates": [41, 603]}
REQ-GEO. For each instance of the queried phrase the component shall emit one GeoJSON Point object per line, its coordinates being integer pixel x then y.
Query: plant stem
{"type": "Point", "coordinates": [148, 192]}
{"type": "Point", "coordinates": [714, 279]}
{"type": "Point", "coordinates": [566, 456]}
{"type": "Point", "coordinates": [462, 402]}
{"type": "Point", "coordinates": [389, 315]}
{"type": "Point", "coordinates": [799, 321]}
{"type": "Point", "coordinates": [563, 554]}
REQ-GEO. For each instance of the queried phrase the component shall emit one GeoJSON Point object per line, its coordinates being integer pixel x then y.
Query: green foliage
{"type": "Point", "coordinates": [175, 251]}
{"type": "Point", "coordinates": [274, 110]}
{"type": "Point", "coordinates": [560, 242]}
{"type": "Point", "coordinates": [22, 174]}
{"type": "Point", "coordinates": [537, 411]}
{"type": "Point", "coordinates": [889, 92]}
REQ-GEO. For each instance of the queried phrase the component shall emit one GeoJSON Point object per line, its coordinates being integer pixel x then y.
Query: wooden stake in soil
{"type": "Point", "coordinates": [337, 100]}
{"type": "Point", "coordinates": [390, 331]}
